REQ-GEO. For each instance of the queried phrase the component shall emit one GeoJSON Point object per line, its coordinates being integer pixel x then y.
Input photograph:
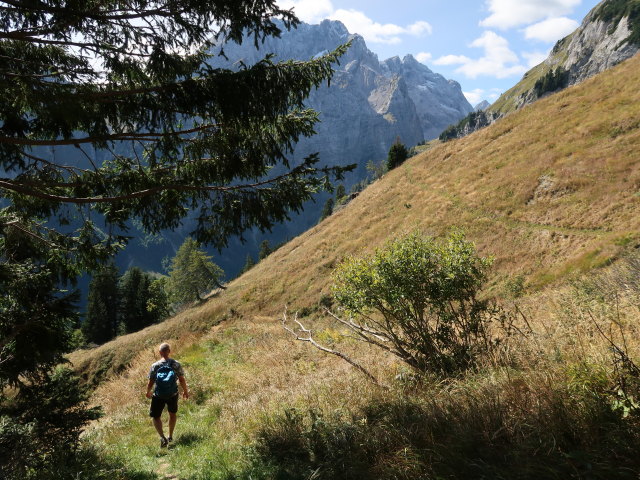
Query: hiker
{"type": "Point", "coordinates": [165, 374]}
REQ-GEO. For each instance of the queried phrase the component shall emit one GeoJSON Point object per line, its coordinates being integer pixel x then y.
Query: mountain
{"type": "Point", "coordinates": [608, 35]}
{"type": "Point", "coordinates": [483, 105]}
{"type": "Point", "coordinates": [550, 191]}
{"type": "Point", "coordinates": [368, 103]}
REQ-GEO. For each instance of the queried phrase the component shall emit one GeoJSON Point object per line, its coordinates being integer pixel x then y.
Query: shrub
{"type": "Point", "coordinates": [418, 299]}
{"type": "Point", "coordinates": [514, 429]}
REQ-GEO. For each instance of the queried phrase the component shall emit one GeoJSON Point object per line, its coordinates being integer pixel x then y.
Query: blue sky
{"type": "Point", "coordinates": [486, 45]}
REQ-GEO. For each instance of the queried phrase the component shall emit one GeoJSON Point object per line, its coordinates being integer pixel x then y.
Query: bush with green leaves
{"type": "Point", "coordinates": [417, 298]}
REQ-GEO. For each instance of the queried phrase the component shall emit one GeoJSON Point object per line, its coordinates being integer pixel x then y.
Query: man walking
{"type": "Point", "coordinates": [165, 374]}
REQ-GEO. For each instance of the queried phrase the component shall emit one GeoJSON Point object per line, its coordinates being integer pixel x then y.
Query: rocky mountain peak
{"type": "Point", "coordinates": [608, 35]}
{"type": "Point", "coordinates": [367, 105]}
{"type": "Point", "coordinates": [333, 28]}
{"type": "Point", "coordinates": [483, 105]}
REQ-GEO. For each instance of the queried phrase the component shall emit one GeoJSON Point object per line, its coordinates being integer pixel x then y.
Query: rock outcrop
{"type": "Point", "coordinates": [597, 45]}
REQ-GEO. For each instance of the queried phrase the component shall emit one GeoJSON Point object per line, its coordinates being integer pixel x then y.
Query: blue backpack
{"type": "Point", "coordinates": [166, 381]}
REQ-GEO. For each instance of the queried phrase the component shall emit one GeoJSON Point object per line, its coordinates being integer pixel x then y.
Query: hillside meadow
{"type": "Point", "coordinates": [552, 193]}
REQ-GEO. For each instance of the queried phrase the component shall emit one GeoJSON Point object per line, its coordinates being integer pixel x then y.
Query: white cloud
{"type": "Point", "coordinates": [498, 60]}
{"type": "Point", "coordinates": [493, 94]}
{"type": "Point", "coordinates": [420, 28]}
{"type": "Point", "coordinates": [477, 95]}
{"type": "Point", "coordinates": [310, 11]}
{"type": "Point", "coordinates": [474, 97]}
{"type": "Point", "coordinates": [358, 22]}
{"type": "Point", "coordinates": [452, 60]}
{"type": "Point", "coordinates": [551, 29]}
{"type": "Point", "coordinates": [314, 11]}
{"type": "Point", "coordinates": [510, 13]}
{"type": "Point", "coordinates": [423, 57]}
{"type": "Point", "coordinates": [535, 58]}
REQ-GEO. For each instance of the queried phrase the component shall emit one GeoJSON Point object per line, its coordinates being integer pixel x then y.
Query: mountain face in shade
{"type": "Point", "coordinates": [368, 103]}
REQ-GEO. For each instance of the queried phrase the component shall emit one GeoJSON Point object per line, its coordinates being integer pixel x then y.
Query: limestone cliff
{"type": "Point", "coordinates": [368, 103]}
{"type": "Point", "coordinates": [606, 37]}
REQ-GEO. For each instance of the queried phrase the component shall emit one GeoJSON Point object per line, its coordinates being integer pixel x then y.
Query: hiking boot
{"type": "Point", "coordinates": [163, 442]}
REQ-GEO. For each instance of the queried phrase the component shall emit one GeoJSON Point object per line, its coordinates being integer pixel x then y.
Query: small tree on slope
{"type": "Point", "coordinates": [101, 322]}
{"type": "Point", "coordinates": [192, 273]}
{"type": "Point", "coordinates": [398, 153]}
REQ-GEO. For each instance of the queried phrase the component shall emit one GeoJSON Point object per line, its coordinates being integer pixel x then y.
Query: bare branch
{"type": "Point", "coordinates": [309, 338]}
{"type": "Point", "coordinates": [18, 226]}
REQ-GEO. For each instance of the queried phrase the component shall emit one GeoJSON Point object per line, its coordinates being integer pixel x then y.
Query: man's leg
{"type": "Point", "coordinates": [157, 422]}
{"type": "Point", "coordinates": [172, 423]}
{"type": "Point", "coordinates": [155, 412]}
{"type": "Point", "coordinates": [172, 407]}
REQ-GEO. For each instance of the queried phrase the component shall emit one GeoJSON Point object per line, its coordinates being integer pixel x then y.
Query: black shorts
{"type": "Point", "coordinates": [157, 405]}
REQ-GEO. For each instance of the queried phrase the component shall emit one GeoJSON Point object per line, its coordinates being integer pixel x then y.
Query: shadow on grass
{"type": "Point", "coordinates": [187, 439]}
{"type": "Point", "coordinates": [88, 463]}
{"type": "Point", "coordinates": [554, 434]}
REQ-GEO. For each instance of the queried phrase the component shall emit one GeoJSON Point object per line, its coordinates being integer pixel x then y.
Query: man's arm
{"type": "Point", "coordinates": [183, 384]}
{"type": "Point", "coordinates": [150, 387]}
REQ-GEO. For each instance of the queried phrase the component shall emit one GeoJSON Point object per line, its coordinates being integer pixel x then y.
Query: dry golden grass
{"type": "Point", "coordinates": [551, 191]}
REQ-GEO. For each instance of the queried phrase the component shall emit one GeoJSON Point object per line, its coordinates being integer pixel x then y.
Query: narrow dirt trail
{"type": "Point", "coordinates": [164, 470]}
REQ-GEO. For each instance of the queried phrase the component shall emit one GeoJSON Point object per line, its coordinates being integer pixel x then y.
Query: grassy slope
{"type": "Point", "coordinates": [550, 190]}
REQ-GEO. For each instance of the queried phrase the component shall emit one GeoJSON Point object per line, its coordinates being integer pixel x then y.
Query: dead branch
{"type": "Point", "coordinates": [308, 337]}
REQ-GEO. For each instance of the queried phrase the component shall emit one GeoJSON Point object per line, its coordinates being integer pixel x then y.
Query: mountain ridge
{"type": "Point", "coordinates": [369, 103]}
{"type": "Point", "coordinates": [602, 41]}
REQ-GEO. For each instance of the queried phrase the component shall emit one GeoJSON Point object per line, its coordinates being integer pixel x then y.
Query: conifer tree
{"type": "Point", "coordinates": [248, 264]}
{"type": "Point", "coordinates": [398, 153]}
{"type": "Point", "coordinates": [265, 250]}
{"type": "Point", "coordinates": [192, 273]}
{"type": "Point", "coordinates": [110, 112]}
{"type": "Point", "coordinates": [134, 296]}
{"type": "Point", "coordinates": [158, 304]}
{"type": "Point", "coordinates": [327, 210]}
{"type": "Point", "coordinates": [101, 322]}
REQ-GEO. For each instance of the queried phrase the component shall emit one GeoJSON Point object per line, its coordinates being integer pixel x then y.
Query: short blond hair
{"type": "Point", "coordinates": [164, 347]}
